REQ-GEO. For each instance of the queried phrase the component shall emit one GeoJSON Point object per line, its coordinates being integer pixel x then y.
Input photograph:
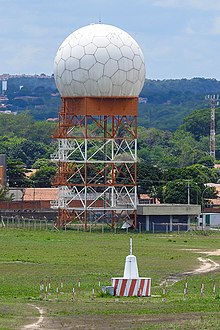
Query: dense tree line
{"type": "Point", "coordinates": [173, 137]}
{"type": "Point", "coordinates": [176, 185]}
{"type": "Point", "coordinates": [168, 101]}
{"type": "Point", "coordinates": [170, 163]}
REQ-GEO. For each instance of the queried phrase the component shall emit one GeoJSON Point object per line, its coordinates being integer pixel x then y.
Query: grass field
{"type": "Point", "coordinates": [63, 258]}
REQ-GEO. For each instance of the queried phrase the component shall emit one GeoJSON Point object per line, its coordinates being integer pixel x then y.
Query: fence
{"type": "Point", "coordinates": [169, 227]}
{"type": "Point", "coordinates": [44, 224]}
{"type": "Point", "coordinates": [28, 223]}
{"type": "Point", "coordinates": [70, 287]}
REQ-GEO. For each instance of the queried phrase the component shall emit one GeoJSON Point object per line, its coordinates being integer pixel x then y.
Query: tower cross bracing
{"type": "Point", "coordinates": [97, 160]}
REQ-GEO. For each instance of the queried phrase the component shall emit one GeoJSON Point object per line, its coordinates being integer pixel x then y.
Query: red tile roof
{"type": "Point", "coordinates": [40, 194]}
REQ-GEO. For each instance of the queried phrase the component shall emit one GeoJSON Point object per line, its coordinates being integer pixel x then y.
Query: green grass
{"type": "Point", "coordinates": [29, 257]}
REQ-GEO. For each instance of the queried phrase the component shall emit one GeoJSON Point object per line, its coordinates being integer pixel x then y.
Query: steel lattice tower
{"type": "Point", "coordinates": [214, 100]}
{"type": "Point", "coordinates": [97, 159]}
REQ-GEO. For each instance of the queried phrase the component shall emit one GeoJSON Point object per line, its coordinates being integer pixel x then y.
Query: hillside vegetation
{"type": "Point", "coordinates": [168, 101]}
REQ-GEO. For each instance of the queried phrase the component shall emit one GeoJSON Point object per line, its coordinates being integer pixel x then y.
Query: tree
{"type": "Point", "coordinates": [149, 179]}
{"type": "Point", "coordinates": [7, 143]}
{"type": "Point", "coordinates": [198, 123]}
{"type": "Point", "coordinates": [24, 91]}
{"type": "Point", "coordinates": [184, 191]}
{"type": "Point", "coordinates": [28, 152]}
{"type": "Point", "coordinates": [185, 148]}
{"type": "Point", "coordinates": [43, 162]}
{"type": "Point", "coordinates": [207, 161]}
{"type": "Point", "coordinates": [41, 131]}
{"type": "Point", "coordinates": [18, 124]}
{"type": "Point", "coordinates": [19, 103]}
{"type": "Point", "coordinates": [153, 137]}
{"type": "Point", "coordinates": [42, 178]}
{"type": "Point", "coordinates": [198, 173]}
{"type": "Point", "coordinates": [16, 174]}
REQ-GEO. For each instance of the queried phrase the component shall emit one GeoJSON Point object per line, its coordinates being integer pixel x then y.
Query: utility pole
{"type": "Point", "coordinates": [214, 100]}
{"type": "Point", "coordinates": [188, 193]}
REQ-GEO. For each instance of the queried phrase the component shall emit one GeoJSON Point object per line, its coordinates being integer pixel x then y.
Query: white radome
{"type": "Point", "coordinates": [99, 60]}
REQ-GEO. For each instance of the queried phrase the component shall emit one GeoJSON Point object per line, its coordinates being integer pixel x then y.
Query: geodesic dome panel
{"type": "Point", "coordinates": [99, 60]}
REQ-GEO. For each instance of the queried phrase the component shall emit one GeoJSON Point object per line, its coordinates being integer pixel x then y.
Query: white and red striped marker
{"type": "Point", "coordinates": [131, 284]}
{"type": "Point", "coordinates": [132, 287]}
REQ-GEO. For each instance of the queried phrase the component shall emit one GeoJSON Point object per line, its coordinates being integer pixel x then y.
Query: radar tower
{"type": "Point", "coordinates": [99, 72]}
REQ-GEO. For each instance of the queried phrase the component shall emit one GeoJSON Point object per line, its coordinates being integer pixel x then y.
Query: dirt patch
{"type": "Point", "coordinates": [208, 253]}
{"type": "Point", "coordinates": [107, 322]}
{"type": "Point", "coordinates": [37, 324]}
{"type": "Point", "coordinates": [211, 253]}
{"type": "Point", "coordinates": [207, 265]}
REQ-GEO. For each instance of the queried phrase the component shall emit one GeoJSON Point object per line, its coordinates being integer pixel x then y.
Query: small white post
{"type": "Point", "coordinates": [61, 287]}
{"type": "Point", "coordinates": [41, 289]}
{"type": "Point", "coordinates": [202, 290]}
{"type": "Point", "coordinates": [164, 294]}
{"type": "Point", "coordinates": [46, 292]}
{"type": "Point", "coordinates": [214, 289]}
{"type": "Point", "coordinates": [186, 286]}
{"type": "Point", "coordinates": [139, 227]}
{"type": "Point", "coordinates": [130, 245]}
{"type": "Point", "coordinates": [42, 286]}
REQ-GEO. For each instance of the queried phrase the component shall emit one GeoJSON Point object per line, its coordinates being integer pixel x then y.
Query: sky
{"type": "Point", "coordinates": [179, 38]}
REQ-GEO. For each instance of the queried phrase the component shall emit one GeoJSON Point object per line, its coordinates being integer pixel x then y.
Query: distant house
{"type": "Point", "coordinates": [30, 202]}
{"type": "Point", "coordinates": [52, 119]}
{"type": "Point", "coordinates": [40, 194]}
{"type": "Point", "coordinates": [146, 199]}
{"type": "Point", "coordinates": [213, 203]}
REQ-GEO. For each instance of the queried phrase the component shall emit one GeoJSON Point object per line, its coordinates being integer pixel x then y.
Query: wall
{"type": "Point", "coordinates": [163, 223]}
